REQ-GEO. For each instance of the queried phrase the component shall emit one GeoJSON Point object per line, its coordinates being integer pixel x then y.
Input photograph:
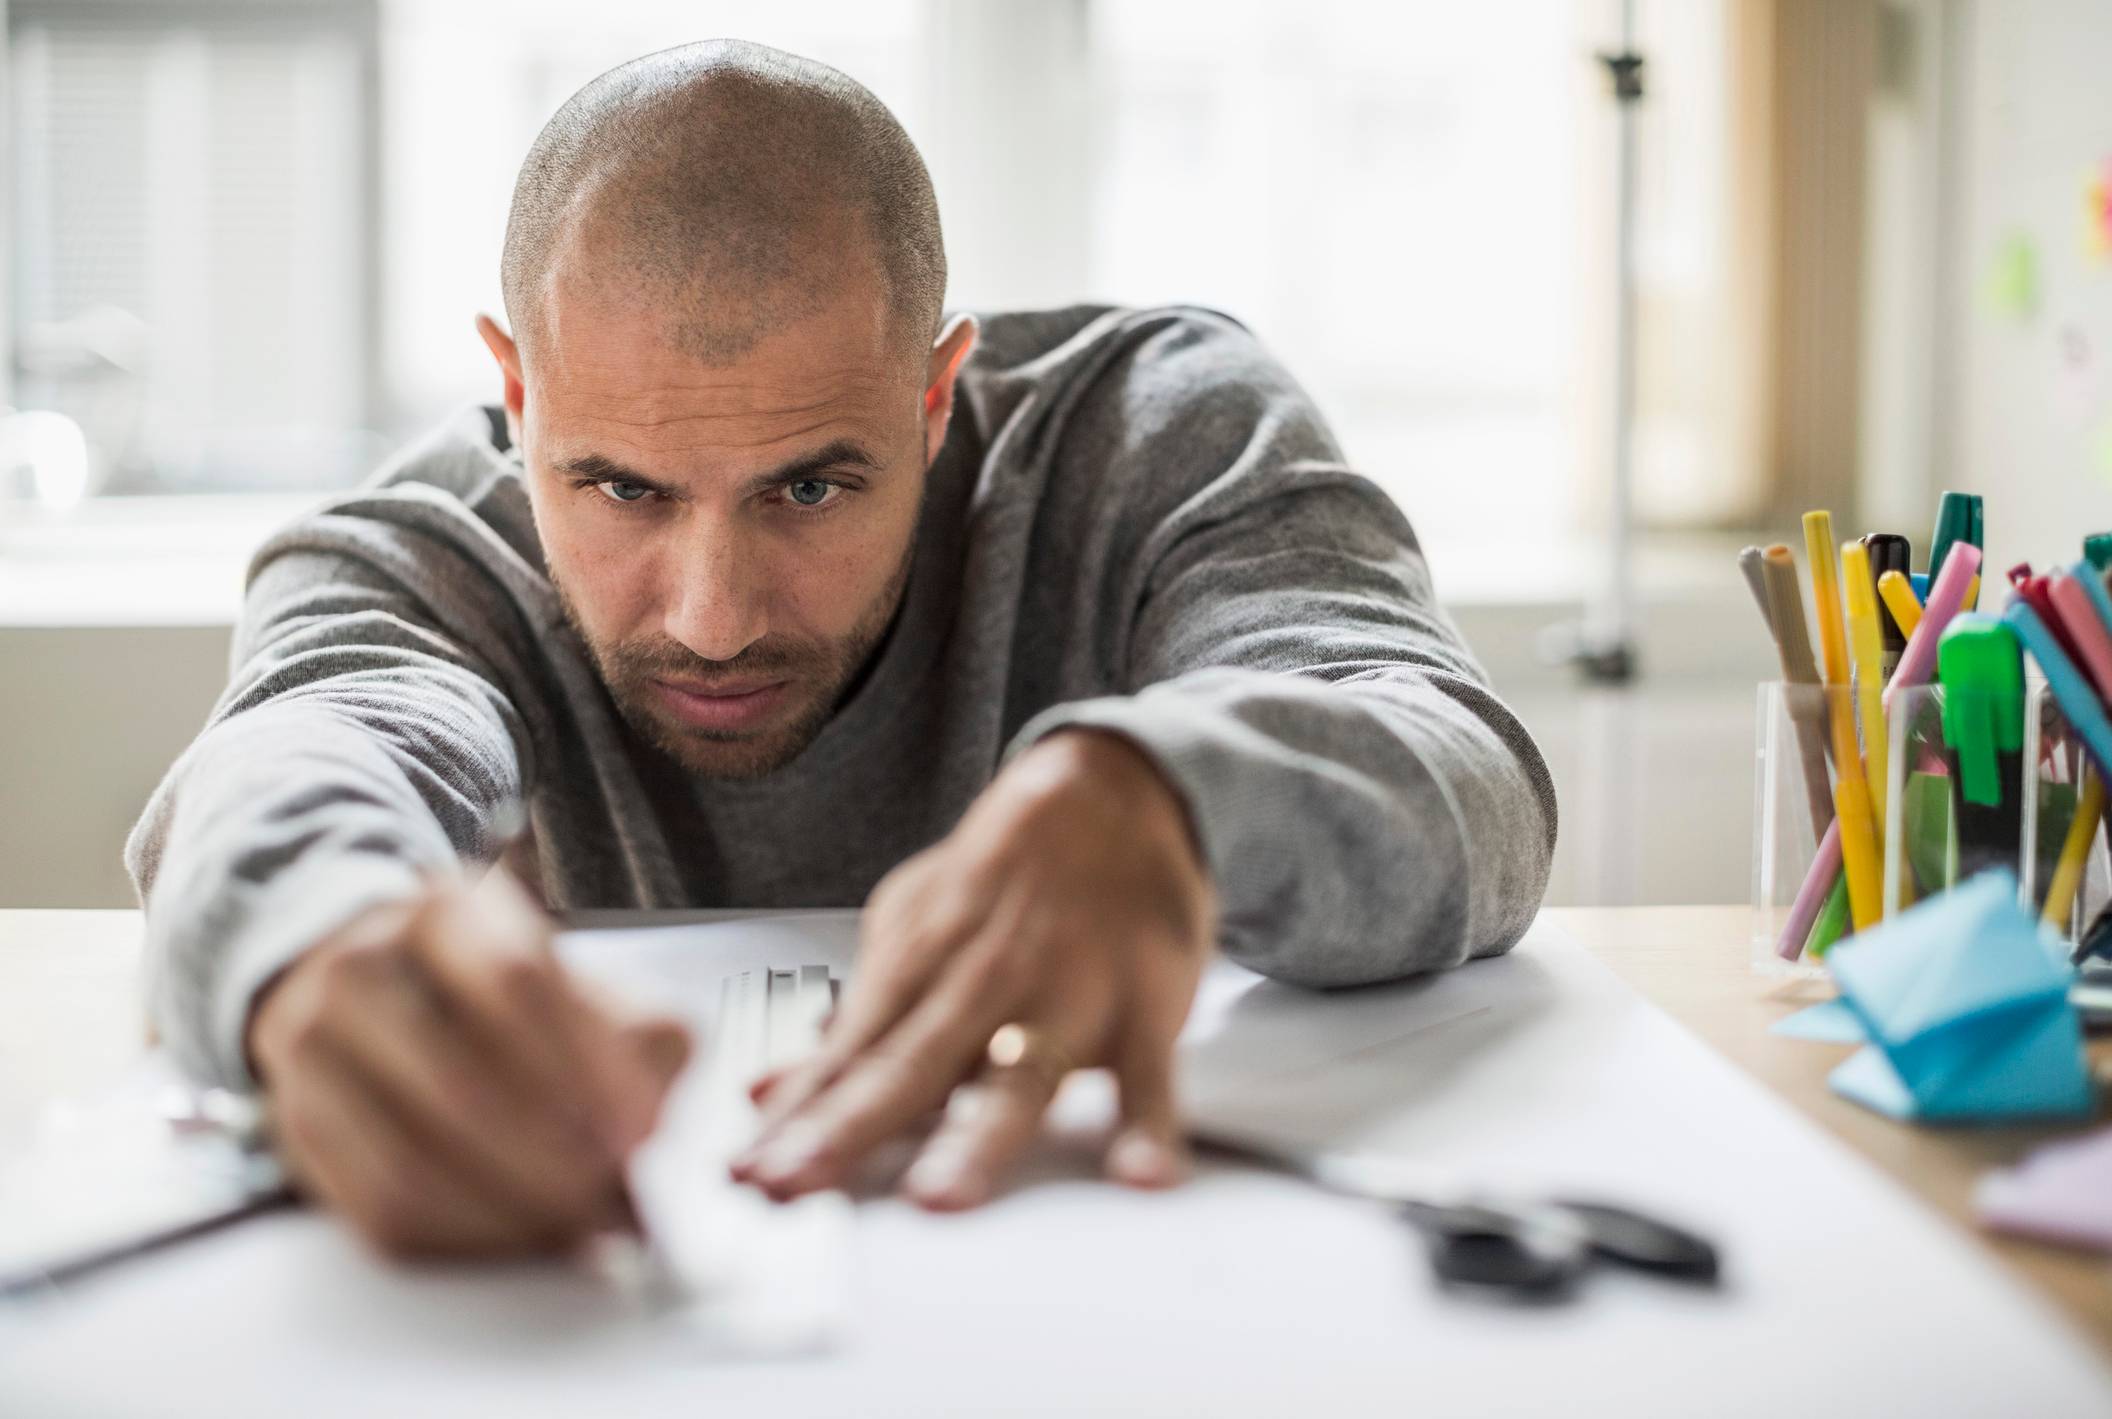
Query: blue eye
{"type": "Point", "coordinates": [623, 492]}
{"type": "Point", "coordinates": [810, 492]}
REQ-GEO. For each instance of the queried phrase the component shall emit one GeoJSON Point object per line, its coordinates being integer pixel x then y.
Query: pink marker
{"type": "Point", "coordinates": [1916, 663]}
{"type": "Point", "coordinates": [2079, 618]}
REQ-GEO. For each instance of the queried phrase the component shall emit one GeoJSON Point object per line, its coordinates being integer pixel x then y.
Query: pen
{"type": "Point", "coordinates": [2085, 611]}
{"type": "Point", "coordinates": [2075, 851]}
{"type": "Point", "coordinates": [1749, 563]}
{"type": "Point", "coordinates": [1800, 679]}
{"type": "Point", "coordinates": [1866, 650]}
{"type": "Point", "coordinates": [1890, 553]}
{"type": "Point", "coordinates": [1852, 807]}
{"type": "Point", "coordinates": [1945, 598]}
{"type": "Point", "coordinates": [1981, 664]}
{"type": "Point", "coordinates": [1958, 522]}
{"type": "Point", "coordinates": [2085, 712]}
{"type": "Point", "coordinates": [1826, 596]}
{"type": "Point", "coordinates": [1896, 590]}
{"type": "Point", "coordinates": [2038, 591]}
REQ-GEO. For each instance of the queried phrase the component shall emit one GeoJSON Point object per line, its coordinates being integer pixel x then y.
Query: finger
{"type": "Point", "coordinates": [988, 1124]}
{"type": "Point", "coordinates": [907, 1073]}
{"type": "Point", "coordinates": [663, 1045]}
{"type": "Point", "coordinates": [356, 1157]}
{"type": "Point", "coordinates": [480, 1122]}
{"type": "Point", "coordinates": [1148, 1149]}
{"type": "Point", "coordinates": [905, 943]}
{"type": "Point", "coordinates": [490, 961]}
{"type": "Point", "coordinates": [760, 1088]}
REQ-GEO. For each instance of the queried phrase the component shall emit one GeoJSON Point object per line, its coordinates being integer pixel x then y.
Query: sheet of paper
{"type": "Point", "coordinates": [1244, 1293]}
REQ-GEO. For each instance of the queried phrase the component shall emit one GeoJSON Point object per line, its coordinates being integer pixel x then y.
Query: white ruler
{"type": "Point", "coordinates": [748, 1276]}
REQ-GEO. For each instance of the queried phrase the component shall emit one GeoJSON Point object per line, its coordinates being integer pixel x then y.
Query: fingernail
{"type": "Point", "coordinates": [793, 1150]}
{"type": "Point", "coordinates": [946, 1183]}
{"type": "Point", "coordinates": [1144, 1161]}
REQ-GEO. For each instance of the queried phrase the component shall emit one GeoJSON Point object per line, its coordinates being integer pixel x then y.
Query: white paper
{"type": "Point", "coordinates": [1243, 1293]}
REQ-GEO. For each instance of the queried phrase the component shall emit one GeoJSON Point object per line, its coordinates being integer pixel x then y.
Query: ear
{"type": "Point", "coordinates": [508, 355]}
{"type": "Point", "coordinates": [951, 348]}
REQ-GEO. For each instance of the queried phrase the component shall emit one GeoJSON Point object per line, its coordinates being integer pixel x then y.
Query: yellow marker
{"type": "Point", "coordinates": [1866, 645]}
{"type": "Point", "coordinates": [1972, 594]}
{"type": "Point", "coordinates": [1860, 857]}
{"type": "Point", "coordinates": [1826, 592]}
{"type": "Point", "coordinates": [2075, 851]}
{"type": "Point", "coordinates": [1898, 592]}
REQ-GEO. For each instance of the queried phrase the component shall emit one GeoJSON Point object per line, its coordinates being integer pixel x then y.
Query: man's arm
{"type": "Point", "coordinates": [1366, 805]}
{"type": "Point", "coordinates": [1265, 620]}
{"type": "Point", "coordinates": [435, 1076]}
{"type": "Point", "coordinates": [357, 750]}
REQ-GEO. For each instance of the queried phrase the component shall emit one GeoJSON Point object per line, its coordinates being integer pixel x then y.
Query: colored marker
{"type": "Point", "coordinates": [1981, 664]}
{"type": "Point", "coordinates": [1901, 604]}
{"type": "Point", "coordinates": [1958, 520]}
{"type": "Point", "coordinates": [1889, 553]}
{"type": "Point", "coordinates": [1866, 651]}
{"type": "Point", "coordinates": [2075, 851]}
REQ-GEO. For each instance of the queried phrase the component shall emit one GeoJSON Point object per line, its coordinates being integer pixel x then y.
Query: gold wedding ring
{"type": "Point", "coordinates": [1017, 1046]}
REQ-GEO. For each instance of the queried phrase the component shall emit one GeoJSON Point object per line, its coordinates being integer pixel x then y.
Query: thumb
{"type": "Point", "coordinates": [1147, 1149]}
{"type": "Point", "coordinates": [664, 1046]}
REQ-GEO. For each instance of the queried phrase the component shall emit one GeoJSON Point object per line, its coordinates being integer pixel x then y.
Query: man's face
{"type": "Point", "coordinates": [731, 541]}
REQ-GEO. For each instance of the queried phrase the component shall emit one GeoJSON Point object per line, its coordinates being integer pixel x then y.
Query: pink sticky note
{"type": "Point", "coordinates": [2061, 1192]}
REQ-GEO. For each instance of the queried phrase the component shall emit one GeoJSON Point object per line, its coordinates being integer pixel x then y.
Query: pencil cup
{"type": "Point", "coordinates": [2066, 868]}
{"type": "Point", "coordinates": [1932, 818]}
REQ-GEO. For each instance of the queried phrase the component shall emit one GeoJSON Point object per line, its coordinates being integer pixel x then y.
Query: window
{"type": "Point", "coordinates": [251, 239]}
{"type": "Point", "coordinates": [191, 230]}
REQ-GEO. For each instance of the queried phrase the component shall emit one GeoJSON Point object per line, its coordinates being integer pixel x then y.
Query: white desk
{"type": "Point", "coordinates": [1242, 1294]}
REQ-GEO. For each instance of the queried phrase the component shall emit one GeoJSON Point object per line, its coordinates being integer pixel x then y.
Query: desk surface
{"type": "Point", "coordinates": [70, 1022]}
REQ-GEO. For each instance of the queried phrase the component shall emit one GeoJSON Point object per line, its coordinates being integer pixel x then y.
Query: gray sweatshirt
{"type": "Point", "coordinates": [1138, 522]}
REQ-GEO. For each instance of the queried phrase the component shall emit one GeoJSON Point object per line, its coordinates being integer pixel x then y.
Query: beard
{"type": "Point", "coordinates": [819, 675]}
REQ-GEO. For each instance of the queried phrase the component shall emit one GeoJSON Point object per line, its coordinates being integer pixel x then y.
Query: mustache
{"type": "Point", "coordinates": [674, 660]}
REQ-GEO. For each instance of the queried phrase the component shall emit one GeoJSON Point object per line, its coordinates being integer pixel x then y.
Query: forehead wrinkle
{"type": "Point", "coordinates": [864, 431]}
{"type": "Point", "coordinates": [803, 398]}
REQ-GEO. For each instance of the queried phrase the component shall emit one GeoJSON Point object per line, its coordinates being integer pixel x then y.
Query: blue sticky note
{"type": "Point", "coordinates": [1965, 1005]}
{"type": "Point", "coordinates": [1830, 1022]}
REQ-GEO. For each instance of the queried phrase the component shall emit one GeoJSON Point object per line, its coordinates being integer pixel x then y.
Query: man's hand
{"type": "Point", "coordinates": [1072, 902]}
{"type": "Point", "coordinates": [437, 1078]}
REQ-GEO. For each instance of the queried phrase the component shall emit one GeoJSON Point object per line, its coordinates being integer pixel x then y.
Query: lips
{"type": "Point", "coordinates": [721, 706]}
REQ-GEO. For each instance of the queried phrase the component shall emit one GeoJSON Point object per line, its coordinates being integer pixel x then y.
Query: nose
{"type": "Point", "coordinates": [717, 606]}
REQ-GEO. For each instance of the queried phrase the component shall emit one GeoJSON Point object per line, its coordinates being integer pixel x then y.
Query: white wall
{"type": "Point", "coordinates": [2026, 401]}
{"type": "Point", "coordinates": [90, 717]}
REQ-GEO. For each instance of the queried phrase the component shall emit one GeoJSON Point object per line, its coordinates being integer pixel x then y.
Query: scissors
{"type": "Point", "coordinates": [1533, 1249]}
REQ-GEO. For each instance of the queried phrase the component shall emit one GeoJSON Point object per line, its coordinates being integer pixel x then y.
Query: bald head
{"type": "Point", "coordinates": [731, 189]}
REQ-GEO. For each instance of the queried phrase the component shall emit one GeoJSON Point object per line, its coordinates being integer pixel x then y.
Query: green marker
{"type": "Point", "coordinates": [1832, 921]}
{"type": "Point", "coordinates": [1958, 519]}
{"type": "Point", "coordinates": [2097, 550]}
{"type": "Point", "coordinates": [1981, 666]}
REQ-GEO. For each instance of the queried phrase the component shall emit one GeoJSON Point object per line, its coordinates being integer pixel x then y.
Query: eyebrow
{"type": "Point", "coordinates": [843, 453]}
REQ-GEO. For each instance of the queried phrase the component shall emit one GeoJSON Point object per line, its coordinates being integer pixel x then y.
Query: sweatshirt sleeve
{"type": "Point", "coordinates": [1368, 808]}
{"type": "Point", "coordinates": [358, 748]}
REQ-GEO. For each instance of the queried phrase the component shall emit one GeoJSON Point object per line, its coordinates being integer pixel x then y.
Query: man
{"type": "Point", "coordinates": [1064, 642]}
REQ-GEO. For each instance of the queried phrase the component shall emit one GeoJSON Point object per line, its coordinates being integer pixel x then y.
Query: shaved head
{"type": "Point", "coordinates": [730, 189]}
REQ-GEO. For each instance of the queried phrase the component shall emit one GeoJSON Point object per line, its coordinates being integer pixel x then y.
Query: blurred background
{"type": "Point", "coordinates": [245, 240]}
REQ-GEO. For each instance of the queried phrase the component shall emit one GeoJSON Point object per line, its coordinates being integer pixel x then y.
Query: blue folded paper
{"type": "Point", "coordinates": [1829, 1022]}
{"type": "Point", "coordinates": [1965, 1003]}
